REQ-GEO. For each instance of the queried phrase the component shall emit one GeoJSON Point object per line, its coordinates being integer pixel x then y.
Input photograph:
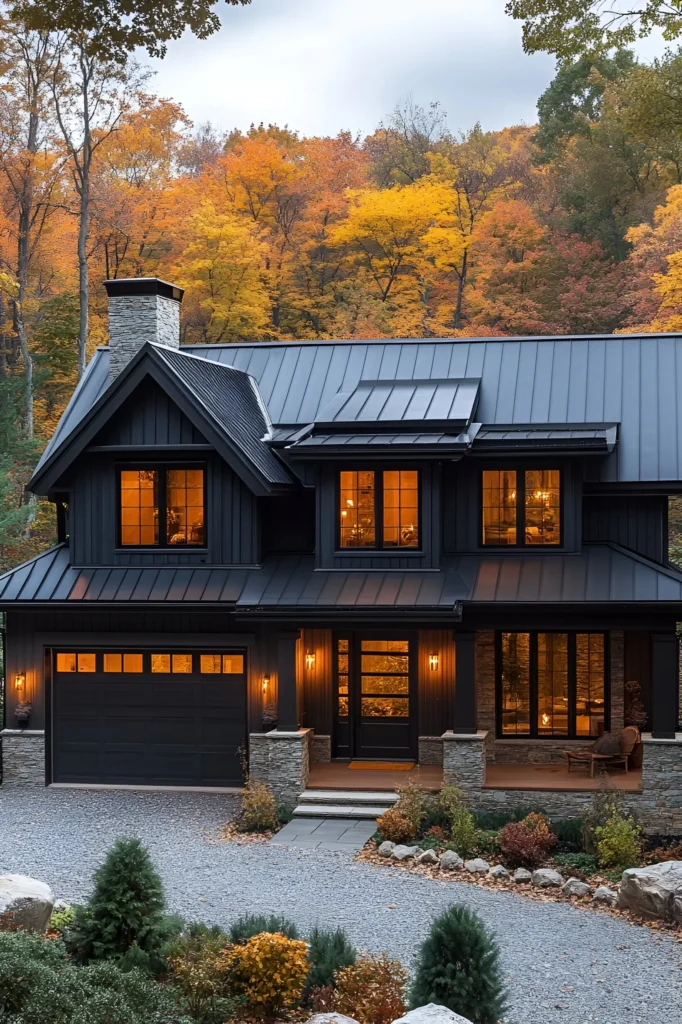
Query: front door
{"type": "Point", "coordinates": [376, 713]}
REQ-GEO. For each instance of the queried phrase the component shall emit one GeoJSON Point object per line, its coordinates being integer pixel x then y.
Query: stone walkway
{"type": "Point", "coordinates": [342, 835]}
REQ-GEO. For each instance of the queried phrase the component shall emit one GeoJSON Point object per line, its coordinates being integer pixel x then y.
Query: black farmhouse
{"type": "Point", "coordinates": [447, 552]}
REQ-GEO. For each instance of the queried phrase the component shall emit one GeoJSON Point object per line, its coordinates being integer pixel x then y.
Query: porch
{"type": "Point", "coordinates": [531, 777]}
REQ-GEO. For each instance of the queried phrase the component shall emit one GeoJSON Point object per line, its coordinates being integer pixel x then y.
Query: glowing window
{"type": "Point", "coordinates": [139, 507]}
{"type": "Point", "coordinates": [182, 663]}
{"type": "Point", "coordinates": [162, 507]}
{"type": "Point", "coordinates": [357, 510]}
{"type": "Point", "coordinates": [543, 507]}
{"type": "Point", "coordinates": [499, 506]}
{"type": "Point", "coordinates": [87, 662]}
{"type": "Point", "coordinates": [401, 508]}
{"type": "Point", "coordinates": [113, 662]}
{"type": "Point", "coordinates": [161, 663]}
{"type": "Point", "coordinates": [342, 665]}
{"type": "Point", "coordinates": [233, 664]}
{"type": "Point", "coordinates": [210, 664]}
{"type": "Point", "coordinates": [379, 510]}
{"type": "Point", "coordinates": [185, 507]}
{"type": "Point", "coordinates": [66, 662]}
{"type": "Point", "coordinates": [132, 663]}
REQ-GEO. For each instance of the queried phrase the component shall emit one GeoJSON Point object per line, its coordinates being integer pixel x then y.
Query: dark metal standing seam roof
{"type": "Point", "coordinates": [602, 573]}
{"type": "Point", "coordinates": [420, 401]}
{"type": "Point", "coordinates": [633, 381]}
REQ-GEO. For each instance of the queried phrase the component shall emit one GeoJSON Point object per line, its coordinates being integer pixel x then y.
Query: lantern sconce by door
{"type": "Point", "coordinates": [433, 662]}
{"type": "Point", "coordinates": [20, 681]}
{"type": "Point", "coordinates": [266, 683]}
{"type": "Point", "coordinates": [310, 661]}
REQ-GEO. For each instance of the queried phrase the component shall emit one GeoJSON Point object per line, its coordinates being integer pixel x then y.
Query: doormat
{"type": "Point", "coordinates": [381, 766]}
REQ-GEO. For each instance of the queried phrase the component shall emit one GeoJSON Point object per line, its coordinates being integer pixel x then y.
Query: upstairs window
{"type": "Point", "coordinates": [162, 507]}
{"type": "Point", "coordinates": [521, 509]}
{"type": "Point", "coordinates": [379, 509]}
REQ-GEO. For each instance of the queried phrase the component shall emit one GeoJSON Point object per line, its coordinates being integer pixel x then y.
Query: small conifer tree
{"type": "Point", "coordinates": [459, 967]}
{"type": "Point", "coordinates": [328, 952]}
{"type": "Point", "coordinates": [126, 910]}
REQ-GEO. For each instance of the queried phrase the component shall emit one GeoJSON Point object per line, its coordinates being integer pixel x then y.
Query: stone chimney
{"type": "Point", "coordinates": [141, 309]}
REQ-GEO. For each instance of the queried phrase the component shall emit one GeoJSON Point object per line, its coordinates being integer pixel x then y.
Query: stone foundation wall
{"type": "Point", "coordinates": [282, 761]}
{"type": "Point", "coordinates": [534, 751]}
{"type": "Point", "coordinates": [485, 686]}
{"type": "Point", "coordinates": [23, 757]}
{"type": "Point", "coordinates": [661, 799]}
{"type": "Point", "coordinates": [321, 749]}
{"type": "Point", "coordinates": [617, 659]}
{"type": "Point", "coordinates": [430, 750]}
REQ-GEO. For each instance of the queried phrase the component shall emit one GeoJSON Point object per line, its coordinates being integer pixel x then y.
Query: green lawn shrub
{"type": "Point", "coordinates": [569, 834]}
{"type": "Point", "coordinates": [244, 928]}
{"type": "Point", "coordinates": [458, 966]}
{"type": "Point", "coordinates": [461, 823]}
{"type": "Point", "coordinates": [328, 952]}
{"type": "Point", "coordinates": [583, 864]}
{"type": "Point", "coordinates": [125, 917]}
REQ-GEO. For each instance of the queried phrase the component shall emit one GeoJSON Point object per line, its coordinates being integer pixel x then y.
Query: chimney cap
{"type": "Point", "coordinates": [122, 286]}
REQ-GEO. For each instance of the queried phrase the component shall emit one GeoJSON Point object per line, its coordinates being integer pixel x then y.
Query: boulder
{"type": "Point", "coordinates": [477, 866]}
{"type": "Point", "coordinates": [428, 857]}
{"type": "Point", "coordinates": [654, 891]}
{"type": "Point", "coordinates": [432, 1013]}
{"type": "Point", "coordinates": [602, 894]}
{"type": "Point", "coordinates": [29, 901]}
{"type": "Point", "coordinates": [404, 852]}
{"type": "Point", "coordinates": [451, 861]}
{"type": "Point", "coordinates": [330, 1018]}
{"type": "Point", "coordinates": [60, 906]}
{"type": "Point", "coordinates": [522, 875]}
{"type": "Point", "coordinates": [499, 871]}
{"type": "Point", "coordinates": [547, 878]}
{"type": "Point", "coordinates": [574, 887]}
{"type": "Point", "coordinates": [385, 850]}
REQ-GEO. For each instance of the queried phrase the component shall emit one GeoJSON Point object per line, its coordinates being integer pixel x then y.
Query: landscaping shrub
{"type": "Point", "coordinates": [569, 834]}
{"type": "Point", "coordinates": [459, 967]}
{"type": "Point", "coordinates": [125, 914]}
{"type": "Point", "coordinates": [619, 844]}
{"type": "Point", "coordinates": [371, 991]}
{"type": "Point", "coordinates": [61, 920]}
{"type": "Point", "coordinates": [411, 803]}
{"type": "Point", "coordinates": [493, 821]}
{"type": "Point", "coordinates": [579, 864]}
{"type": "Point", "coordinates": [259, 812]}
{"type": "Point", "coordinates": [486, 842]}
{"type": "Point", "coordinates": [198, 976]}
{"type": "Point", "coordinates": [438, 833]}
{"type": "Point", "coordinates": [328, 952]}
{"type": "Point", "coordinates": [395, 827]}
{"type": "Point", "coordinates": [39, 984]}
{"type": "Point", "coordinates": [461, 823]}
{"type": "Point", "coordinates": [244, 928]}
{"type": "Point", "coordinates": [605, 801]}
{"type": "Point", "coordinates": [527, 843]}
{"type": "Point", "coordinates": [268, 972]}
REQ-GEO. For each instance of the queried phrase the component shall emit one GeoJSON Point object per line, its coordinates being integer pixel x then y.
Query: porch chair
{"type": "Point", "coordinates": [609, 750]}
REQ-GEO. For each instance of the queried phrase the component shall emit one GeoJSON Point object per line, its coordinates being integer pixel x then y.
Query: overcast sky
{"type": "Point", "coordinates": [325, 65]}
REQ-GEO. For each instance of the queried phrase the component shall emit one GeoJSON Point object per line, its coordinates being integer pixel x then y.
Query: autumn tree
{"type": "Point", "coordinates": [399, 150]}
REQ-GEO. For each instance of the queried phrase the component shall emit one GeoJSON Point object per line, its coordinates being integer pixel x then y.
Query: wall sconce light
{"type": "Point", "coordinates": [266, 683]}
{"type": "Point", "coordinates": [433, 662]}
{"type": "Point", "coordinates": [310, 661]}
{"type": "Point", "coordinates": [20, 680]}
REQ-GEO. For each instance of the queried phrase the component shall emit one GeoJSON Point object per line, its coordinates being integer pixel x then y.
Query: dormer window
{"type": "Point", "coordinates": [162, 507]}
{"type": "Point", "coordinates": [521, 508]}
{"type": "Point", "coordinates": [379, 509]}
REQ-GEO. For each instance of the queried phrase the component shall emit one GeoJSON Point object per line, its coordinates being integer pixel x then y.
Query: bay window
{"type": "Point", "coordinates": [551, 684]}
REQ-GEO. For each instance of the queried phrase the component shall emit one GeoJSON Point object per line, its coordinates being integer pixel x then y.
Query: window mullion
{"type": "Point", "coordinates": [162, 507]}
{"type": "Point", "coordinates": [520, 507]}
{"type": "Point", "coordinates": [379, 507]}
{"type": "Point", "coordinates": [572, 683]}
{"type": "Point", "coordinates": [533, 684]}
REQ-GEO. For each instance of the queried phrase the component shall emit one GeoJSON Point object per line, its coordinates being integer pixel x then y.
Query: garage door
{"type": "Point", "coordinates": [154, 718]}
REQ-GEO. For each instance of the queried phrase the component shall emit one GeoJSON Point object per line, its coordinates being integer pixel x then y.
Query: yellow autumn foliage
{"type": "Point", "coordinates": [268, 971]}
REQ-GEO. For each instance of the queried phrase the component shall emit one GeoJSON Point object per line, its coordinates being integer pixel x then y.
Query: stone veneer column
{"type": "Point", "coordinates": [464, 761]}
{"type": "Point", "coordinates": [23, 757]}
{"type": "Point", "coordinates": [660, 806]}
{"type": "Point", "coordinates": [282, 761]}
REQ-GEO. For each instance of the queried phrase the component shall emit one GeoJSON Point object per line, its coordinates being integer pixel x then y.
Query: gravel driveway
{"type": "Point", "coordinates": [565, 966]}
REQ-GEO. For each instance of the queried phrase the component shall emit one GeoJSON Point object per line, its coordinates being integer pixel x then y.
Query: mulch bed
{"type": "Point", "coordinates": [369, 855]}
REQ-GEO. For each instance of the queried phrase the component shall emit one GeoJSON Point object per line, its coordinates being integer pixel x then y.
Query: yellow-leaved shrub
{"type": "Point", "coordinates": [268, 971]}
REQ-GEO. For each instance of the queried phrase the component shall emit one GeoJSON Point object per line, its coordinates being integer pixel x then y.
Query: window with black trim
{"type": "Point", "coordinates": [521, 508]}
{"type": "Point", "coordinates": [551, 684]}
{"type": "Point", "coordinates": [162, 506]}
{"type": "Point", "coordinates": [379, 509]}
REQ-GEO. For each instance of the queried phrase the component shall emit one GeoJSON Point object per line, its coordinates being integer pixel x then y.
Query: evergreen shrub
{"type": "Point", "coordinates": [244, 928]}
{"type": "Point", "coordinates": [458, 966]}
{"type": "Point", "coordinates": [328, 952]}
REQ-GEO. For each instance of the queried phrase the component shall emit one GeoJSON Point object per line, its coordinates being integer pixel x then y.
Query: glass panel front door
{"type": "Point", "coordinates": [374, 700]}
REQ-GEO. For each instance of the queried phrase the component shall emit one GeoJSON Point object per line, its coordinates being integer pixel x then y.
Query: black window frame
{"type": "Point", "coordinates": [161, 468]}
{"type": "Point", "coordinates": [520, 544]}
{"type": "Point", "coordinates": [379, 545]}
{"type": "Point", "coordinates": [533, 681]}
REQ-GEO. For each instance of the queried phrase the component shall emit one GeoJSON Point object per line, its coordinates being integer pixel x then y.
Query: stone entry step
{"type": "Point", "coordinates": [354, 797]}
{"type": "Point", "coordinates": [338, 811]}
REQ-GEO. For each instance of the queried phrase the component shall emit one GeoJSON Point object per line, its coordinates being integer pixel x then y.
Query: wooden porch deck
{"type": "Point", "coordinates": [338, 775]}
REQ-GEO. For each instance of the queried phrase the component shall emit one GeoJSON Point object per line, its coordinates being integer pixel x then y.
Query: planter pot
{"type": "Point", "coordinates": [22, 713]}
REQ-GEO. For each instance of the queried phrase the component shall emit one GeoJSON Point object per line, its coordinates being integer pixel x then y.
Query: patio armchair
{"type": "Point", "coordinates": [610, 750]}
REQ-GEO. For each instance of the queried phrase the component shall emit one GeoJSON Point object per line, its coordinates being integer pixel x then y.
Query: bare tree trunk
{"type": "Point", "coordinates": [83, 279]}
{"type": "Point", "coordinates": [457, 319]}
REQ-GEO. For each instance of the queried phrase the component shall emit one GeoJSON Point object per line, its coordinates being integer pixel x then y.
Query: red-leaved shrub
{"type": "Point", "coordinates": [527, 843]}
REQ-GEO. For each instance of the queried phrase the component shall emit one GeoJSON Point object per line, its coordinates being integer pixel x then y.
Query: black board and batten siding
{"type": "Point", "coordinates": [150, 428]}
{"type": "Point", "coordinates": [637, 522]}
